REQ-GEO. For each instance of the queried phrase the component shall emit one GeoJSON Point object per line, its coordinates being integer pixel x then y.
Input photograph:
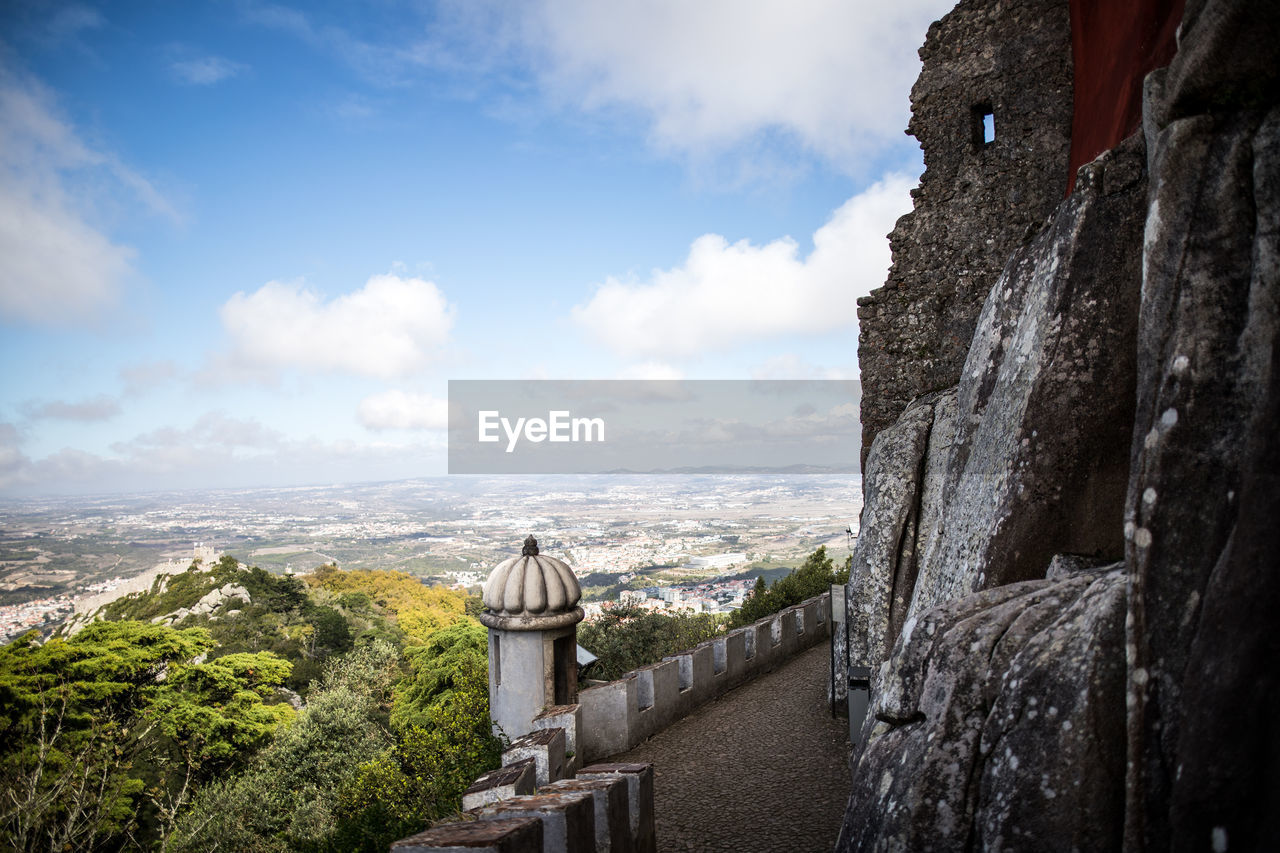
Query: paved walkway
{"type": "Point", "coordinates": [764, 768]}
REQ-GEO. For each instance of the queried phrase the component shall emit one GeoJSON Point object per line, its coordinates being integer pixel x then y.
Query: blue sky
{"type": "Point", "coordinates": [247, 244]}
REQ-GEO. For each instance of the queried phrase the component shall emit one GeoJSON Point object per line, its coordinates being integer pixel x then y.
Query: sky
{"type": "Point", "coordinates": [247, 244]}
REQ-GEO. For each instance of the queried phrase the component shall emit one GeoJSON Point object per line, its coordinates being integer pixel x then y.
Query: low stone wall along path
{"type": "Point", "coordinates": [764, 768]}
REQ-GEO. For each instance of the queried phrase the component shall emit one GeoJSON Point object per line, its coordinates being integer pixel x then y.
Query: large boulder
{"type": "Point", "coordinates": [1204, 498]}
{"type": "Point", "coordinates": [210, 602]}
{"type": "Point", "coordinates": [891, 486]}
{"type": "Point", "coordinates": [902, 490]}
{"type": "Point", "coordinates": [1040, 456]}
{"type": "Point", "coordinates": [999, 724]}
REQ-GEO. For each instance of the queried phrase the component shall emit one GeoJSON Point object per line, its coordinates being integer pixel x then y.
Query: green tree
{"type": "Point", "coordinates": [421, 778]}
{"type": "Point", "coordinates": [627, 637]}
{"type": "Point", "coordinates": [288, 796]}
{"type": "Point", "coordinates": [813, 577]}
{"type": "Point", "coordinates": [212, 717]}
{"type": "Point", "coordinates": [439, 668]}
{"type": "Point", "coordinates": [85, 723]}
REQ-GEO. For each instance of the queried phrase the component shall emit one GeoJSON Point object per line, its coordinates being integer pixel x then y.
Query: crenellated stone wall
{"type": "Point", "coordinates": [618, 715]}
{"type": "Point", "coordinates": [976, 201]}
{"type": "Point", "coordinates": [540, 802]}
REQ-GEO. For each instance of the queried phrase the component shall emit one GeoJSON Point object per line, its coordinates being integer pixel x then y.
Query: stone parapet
{"type": "Point", "coordinates": [510, 835]}
{"type": "Point", "coordinates": [546, 748]}
{"type": "Point", "coordinates": [612, 809]}
{"type": "Point", "coordinates": [607, 809]}
{"type": "Point", "coordinates": [639, 780]}
{"type": "Point", "coordinates": [567, 718]}
{"type": "Point", "coordinates": [618, 715]}
{"type": "Point", "coordinates": [568, 819]}
{"type": "Point", "coordinates": [510, 780]}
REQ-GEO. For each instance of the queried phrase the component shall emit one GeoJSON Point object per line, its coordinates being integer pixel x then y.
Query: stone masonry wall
{"type": "Point", "coordinates": [977, 201]}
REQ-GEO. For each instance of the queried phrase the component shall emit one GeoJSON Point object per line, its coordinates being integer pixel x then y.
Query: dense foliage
{"type": "Point", "coordinates": [107, 734]}
{"type": "Point", "coordinates": [813, 577]}
{"type": "Point", "coordinates": [419, 610]}
{"type": "Point", "coordinates": [145, 735]}
{"type": "Point", "coordinates": [626, 638]}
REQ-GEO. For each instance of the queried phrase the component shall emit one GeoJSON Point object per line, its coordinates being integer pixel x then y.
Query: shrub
{"type": "Point", "coordinates": [626, 637]}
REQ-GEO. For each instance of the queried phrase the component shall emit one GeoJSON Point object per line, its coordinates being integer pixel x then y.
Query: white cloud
{"type": "Point", "coordinates": [706, 77]}
{"type": "Point", "coordinates": [651, 370]}
{"type": "Point", "coordinates": [145, 376]}
{"type": "Point", "coordinates": [14, 464]}
{"type": "Point", "coordinates": [216, 451]}
{"type": "Point", "coordinates": [728, 294]}
{"type": "Point", "coordinates": [395, 409]}
{"type": "Point", "coordinates": [66, 24]}
{"type": "Point", "coordinates": [56, 266]}
{"type": "Point", "coordinates": [206, 70]}
{"type": "Point", "coordinates": [391, 327]}
{"type": "Point", "coordinates": [211, 430]}
{"type": "Point", "coordinates": [833, 74]}
{"type": "Point", "coordinates": [99, 408]}
{"type": "Point", "coordinates": [792, 366]}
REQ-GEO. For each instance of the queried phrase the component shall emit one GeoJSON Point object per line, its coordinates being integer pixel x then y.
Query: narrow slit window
{"type": "Point", "coordinates": [984, 126]}
{"type": "Point", "coordinates": [495, 652]}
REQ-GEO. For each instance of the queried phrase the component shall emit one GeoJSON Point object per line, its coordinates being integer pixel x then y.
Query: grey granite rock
{"type": "Point", "coordinates": [1204, 497]}
{"type": "Point", "coordinates": [999, 725]}
{"type": "Point", "coordinates": [1039, 463]}
{"type": "Point", "coordinates": [890, 486]}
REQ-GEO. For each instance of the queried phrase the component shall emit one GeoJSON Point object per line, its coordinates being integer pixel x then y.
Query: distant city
{"type": "Point", "coordinates": [691, 543]}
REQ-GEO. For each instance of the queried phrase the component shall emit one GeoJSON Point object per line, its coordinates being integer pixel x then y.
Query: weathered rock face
{"type": "Point", "coordinates": [1039, 463]}
{"type": "Point", "coordinates": [1029, 456]}
{"type": "Point", "coordinates": [902, 487]}
{"type": "Point", "coordinates": [208, 603]}
{"type": "Point", "coordinates": [1000, 725]}
{"type": "Point", "coordinates": [1205, 493]}
{"type": "Point", "coordinates": [958, 755]}
{"type": "Point", "coordinates": [891, 486]}
{"type": "Point", "coordinates": [976, 201]}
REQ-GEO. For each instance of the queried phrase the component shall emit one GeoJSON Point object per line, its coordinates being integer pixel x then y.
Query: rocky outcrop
{"type": "Point", "coordinates": [1205, 493]}
{"type": "Point", "coordinates": [1000, 725]}
{"type": "Point", "coordinates": [1120, 398]}
{"type": "Point", "coordinates": [1039, 463]}
{"type": "Point", "coordinates": [977, 200]}
{"type": "Point", "coordinates": [209, 603]}
{"type": "Point", "coordinates": [891, 486]}
{"type": "Point", "coordinates": [981, 485]}
{"type": "Point", "coordinates": [902, 489]}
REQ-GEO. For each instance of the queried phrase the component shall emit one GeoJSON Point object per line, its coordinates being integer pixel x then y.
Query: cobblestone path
{"type": "Point", "coordinates": [764, 768]}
